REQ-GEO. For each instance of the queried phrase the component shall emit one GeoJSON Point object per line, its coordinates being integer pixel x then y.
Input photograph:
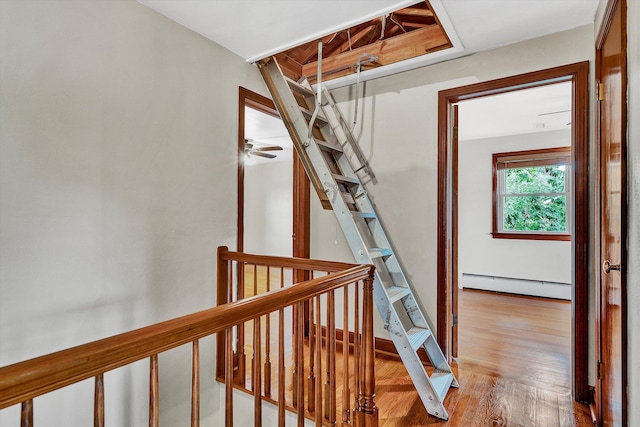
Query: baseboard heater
{"type": "Point", "coordinates": [517, 286]}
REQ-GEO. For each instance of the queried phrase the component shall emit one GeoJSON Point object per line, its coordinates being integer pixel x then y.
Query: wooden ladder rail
{"type": "Point", "coordinates": [20, 383]}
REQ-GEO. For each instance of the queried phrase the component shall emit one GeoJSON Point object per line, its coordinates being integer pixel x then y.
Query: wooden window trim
{"type": "Point", "coordinates": [545, 156]}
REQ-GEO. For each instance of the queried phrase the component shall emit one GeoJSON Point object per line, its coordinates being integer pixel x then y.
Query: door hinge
{"type": "Point", "coordinates": [454, 320]}
{"type": "Point", "coordinates": [598, 370]}
{"type": "Point", "coordinates": [600, 91]}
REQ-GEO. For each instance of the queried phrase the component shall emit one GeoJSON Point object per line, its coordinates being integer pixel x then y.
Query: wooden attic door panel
{"type": "Point", "coordinates": [395, 36]}
{"type": "Point", "coordinates": [388, 51]}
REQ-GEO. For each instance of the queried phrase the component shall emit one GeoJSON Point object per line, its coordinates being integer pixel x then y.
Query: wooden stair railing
{"type": "Point", "coordinates": [22, 382]}
{"type": "Point", "coordinates": [309, 376]}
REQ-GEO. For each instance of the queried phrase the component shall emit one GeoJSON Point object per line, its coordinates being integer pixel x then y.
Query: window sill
{"type": "Point", "coordinates": [532, 236]}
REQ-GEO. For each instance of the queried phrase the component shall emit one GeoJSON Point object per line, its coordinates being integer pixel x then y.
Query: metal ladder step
{"type": "Point", "coordinates": [367, 215]}
{"type": "Point", "coordinates": [319, 117]}
{"type": "Point", "coordinates": [441, 382]}
{"type": "Point", "coordinates": [325, 146]}
{"type": "Point", "coordinates": [379, 252]}
{"type": "Point", "coordinates": [345, 179]}
{"type": "Point", "coordinates": [396, 293]}
{"type": "Point", "coordinates": [297, 87]}
{"type": "Point", "coordinates": [418, 336]}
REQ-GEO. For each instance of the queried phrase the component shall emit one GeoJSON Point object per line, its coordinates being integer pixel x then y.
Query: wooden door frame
{"type": "Point", "coordinates": [607, 21]}
{"type": "Point", "coordinates": [578, 74]}
{"type": "Point", "coordinates": [301, 185]}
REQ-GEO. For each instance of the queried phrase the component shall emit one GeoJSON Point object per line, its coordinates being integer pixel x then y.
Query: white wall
{"type": "Point", "coordinates": [479, 252]}
{"type": "Point", "coordinates": [268, 208]}
{"type": "Point", "coordinates": [398, 129]}
{"type": "Point", "coordinates": [115, 188]}
{"type": "Point", "coordinates": [117, 183]}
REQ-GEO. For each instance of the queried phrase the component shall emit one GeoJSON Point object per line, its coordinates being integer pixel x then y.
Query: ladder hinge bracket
{"type": "Point", "coordinates": [364, 167]}
{"type": "Point", "coordinates": [412, 309]}
{"type": "Point", "coordinates": [359, 195]}
{"type": "Point", "coordinates": [330, 187]}
{"type": "Point", "coordinates": [387, 320]}
{"type": "Point", "coordinates": [600, 91]}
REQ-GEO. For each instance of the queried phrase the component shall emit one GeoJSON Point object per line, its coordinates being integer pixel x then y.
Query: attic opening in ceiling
{"type": "Point", "coordinates": [396, 36]}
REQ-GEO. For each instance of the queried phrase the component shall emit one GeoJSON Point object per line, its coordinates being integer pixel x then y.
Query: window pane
{"type": "Point", "coordinates": [535, 213]}
{"type": "Point", "coordinates": [540, 179]}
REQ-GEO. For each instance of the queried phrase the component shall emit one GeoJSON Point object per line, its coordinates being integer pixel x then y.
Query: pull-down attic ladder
{"type": "Point", "coordinates": [326, 153]}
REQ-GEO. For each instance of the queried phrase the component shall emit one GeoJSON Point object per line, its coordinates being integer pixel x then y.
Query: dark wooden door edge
{"type": "Point", "coordinates": [578, 73]}
{"type": "Point", "coordinates": [607, 22]}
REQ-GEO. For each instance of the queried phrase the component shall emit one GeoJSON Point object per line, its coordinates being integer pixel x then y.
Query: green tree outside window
{"type": "Point", "coordinates": [532, 194]}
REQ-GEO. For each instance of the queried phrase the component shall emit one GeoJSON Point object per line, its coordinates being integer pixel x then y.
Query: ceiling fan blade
{"type": "Point", "coordinates": [269, 148]}
{"type": "Point", "coordinates": [258, 153]}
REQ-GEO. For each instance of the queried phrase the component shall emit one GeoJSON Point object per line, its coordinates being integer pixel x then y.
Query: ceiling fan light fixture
{"type": "Point", "coordinates": [249, 160]}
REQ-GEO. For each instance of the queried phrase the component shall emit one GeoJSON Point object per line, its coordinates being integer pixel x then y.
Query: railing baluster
{"type": "Point", "coordinates": [281, 376]}
{"type": "Point", "coordinates": [318, 363]}
{"type": "Point", "coordinates": [294, 374]}
{"type": "Point", "coordinates": [228, 379]}
{"type": "Point", "coordinates": [256, 379]}
{"type": "Point", "coordinates": [255, 279]}
{"type": "Point", "coordinates": [267, 343]}
{"type": "Point", "coordinates": [346, 393]}
{"type": "Point", "coordinates": [26, 414]}
{"type": "Point", "coordinates": [154, 395]}
{"type": "Point", "coordinates": [357, 342]}
{"type": "Point", "coordinates": [241, 357]}
{"type": "Point", "coordinates": [98, 401]}
{"type": "Point", "coordinates": [195, 384]}
{"type": "Point", "coordinates": [300, 362]}
{"type": "Point", "coordinates": [311, 385]}
{"type": "Point", "coordinates": [281, 357]}
{"type": "Point", "coordinates": [331, 350]}
{"type": "Point", "coordinates": [327, 344]}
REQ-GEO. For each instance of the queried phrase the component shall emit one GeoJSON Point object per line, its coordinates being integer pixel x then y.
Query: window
{"type": "Point", "coordinates": [532, 194]}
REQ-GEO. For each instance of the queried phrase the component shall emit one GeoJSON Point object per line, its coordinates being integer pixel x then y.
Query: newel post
{"type": "Point", "coordinates": [367, 413]}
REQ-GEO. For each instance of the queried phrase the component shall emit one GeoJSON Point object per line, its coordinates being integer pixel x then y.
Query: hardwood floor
{"type": "Point", "coordinates": [519, 337]}
{"type": "Point", "coordinates": [513, 369]}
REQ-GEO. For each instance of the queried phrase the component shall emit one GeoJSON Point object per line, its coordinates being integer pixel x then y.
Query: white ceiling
{"type": "Point", "coordinates": [254, 29]}
{"type": "Point", "coordinates": [539, 109]}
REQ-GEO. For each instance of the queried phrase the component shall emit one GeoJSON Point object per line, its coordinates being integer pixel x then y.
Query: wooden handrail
{"type": "Point", "coordinates": [275, 261]}
{"type": "Point", "coordinates": [23, 381]}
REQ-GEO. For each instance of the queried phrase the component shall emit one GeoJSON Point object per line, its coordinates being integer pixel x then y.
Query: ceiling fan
{"type": "Point", "coordinates": [252, 150]}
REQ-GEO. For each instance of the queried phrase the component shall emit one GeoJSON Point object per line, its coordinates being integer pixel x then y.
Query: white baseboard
{"type": "Point", "coordinates": [517, 286]}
